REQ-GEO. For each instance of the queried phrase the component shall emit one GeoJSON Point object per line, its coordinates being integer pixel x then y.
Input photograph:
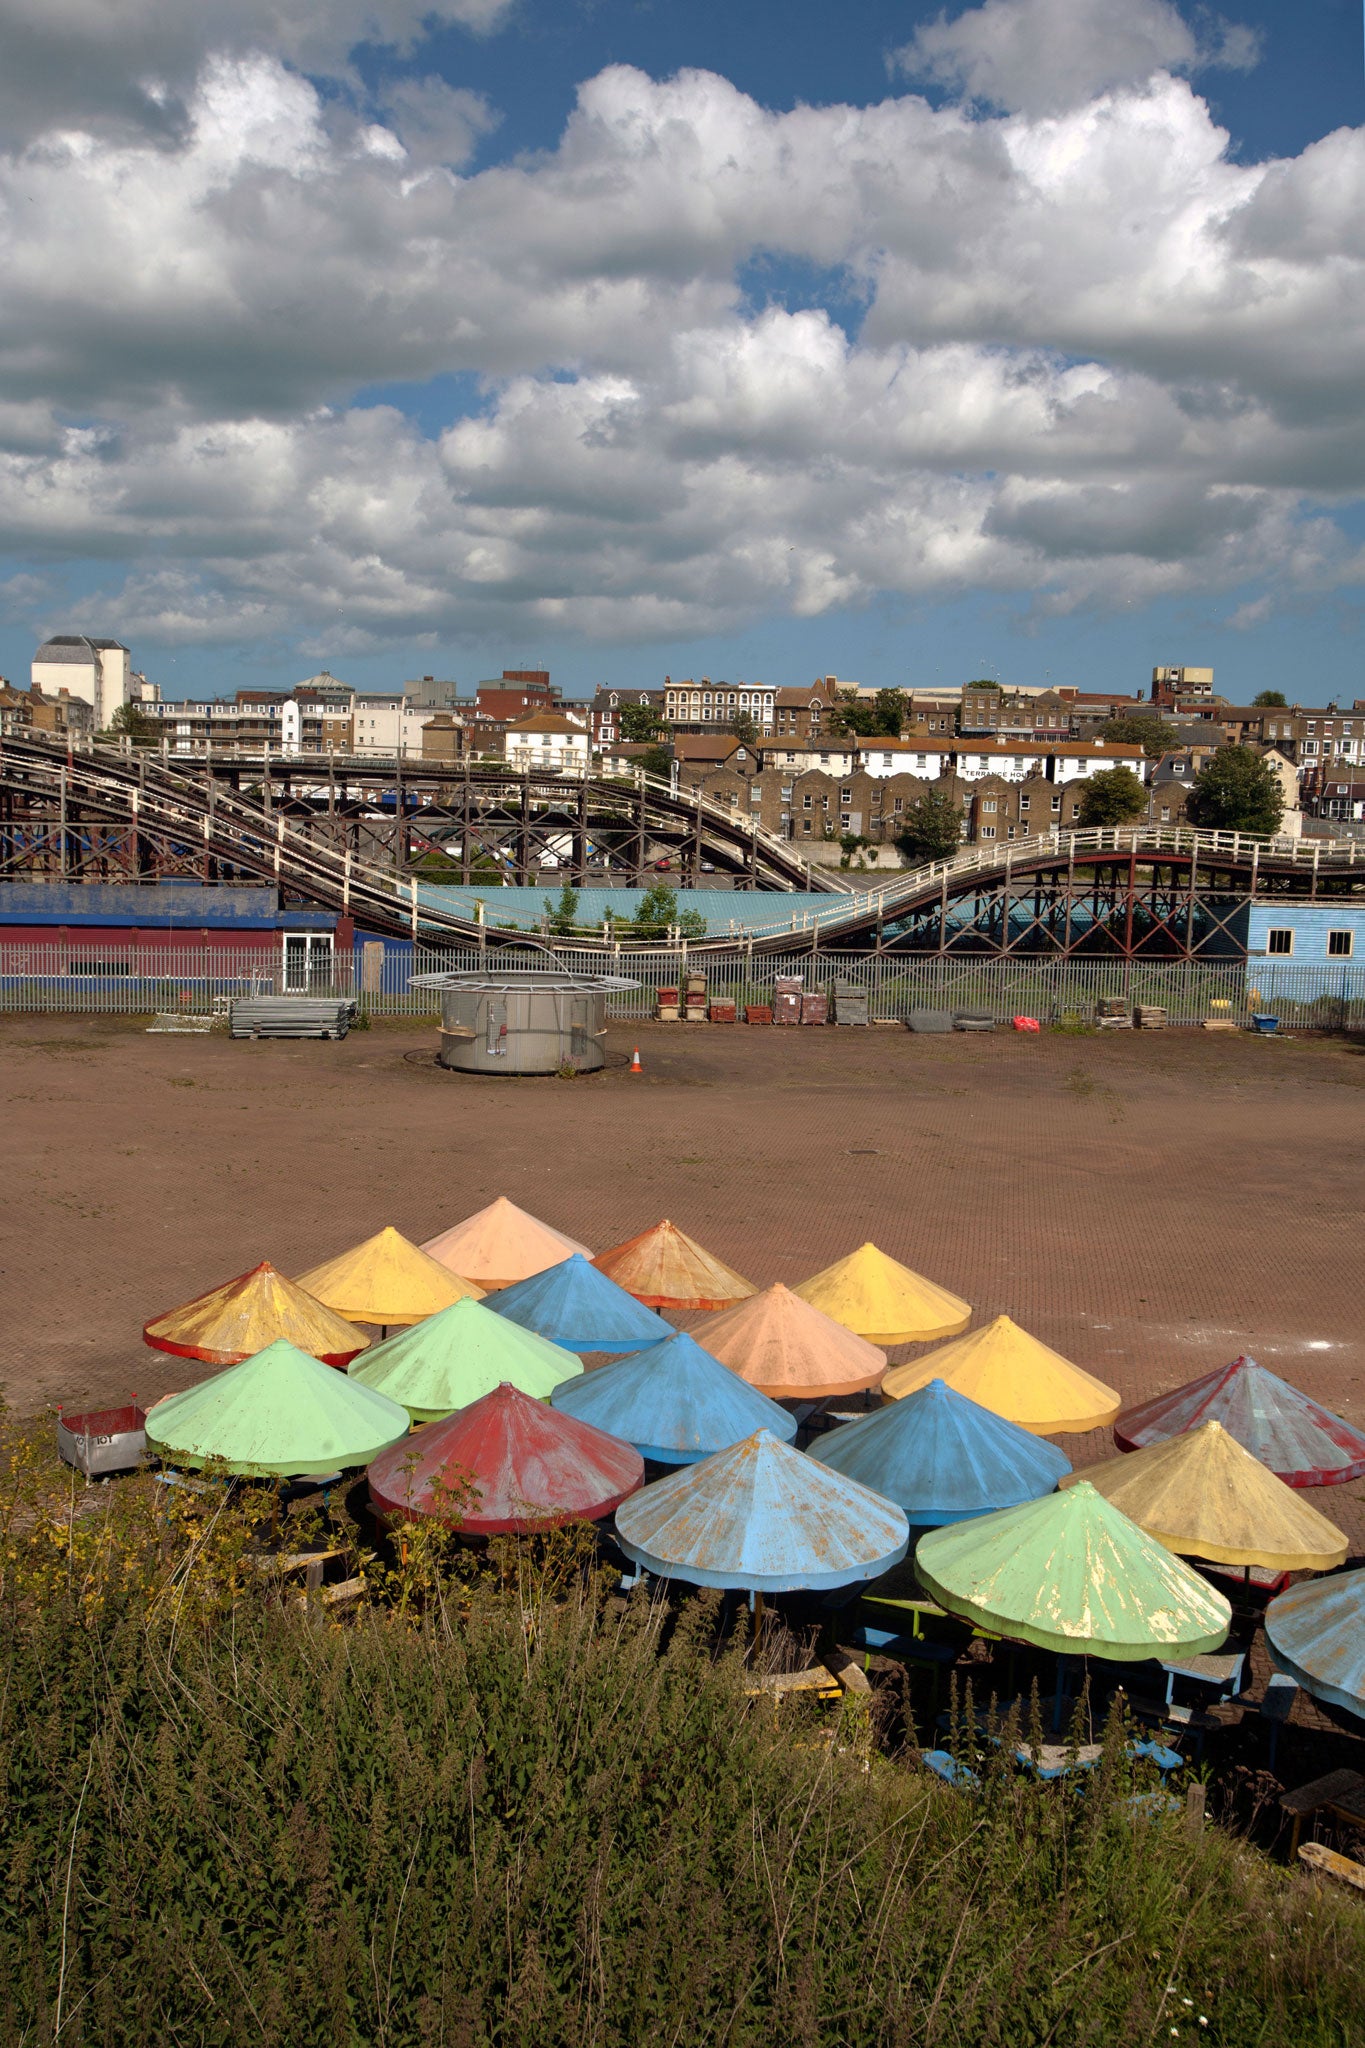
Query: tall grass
{"type": "Point", "coordinates": [525, 1811]}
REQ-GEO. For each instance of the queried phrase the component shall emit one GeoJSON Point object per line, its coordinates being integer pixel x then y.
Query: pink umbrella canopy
{"type": "Point", "coordinates": [505, 1465]}
{"type": "Point", "coordinates": [1302, 1443]}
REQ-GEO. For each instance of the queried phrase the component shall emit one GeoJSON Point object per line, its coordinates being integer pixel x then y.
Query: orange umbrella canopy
{"type": "Point", "coordinates": [386, 1280]}
{"type": "Point", "coordinates": [665, 1268]}
{"type": "Point", "coordinates": [791, 1351]}
{"type": "Point", "coordinates": [240, 1318]}
{"type": "Point", "coordinates": [500, 1245]}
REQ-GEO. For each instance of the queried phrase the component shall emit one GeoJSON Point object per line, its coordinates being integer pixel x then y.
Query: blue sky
{"type": "Point", "coordinates": [896, 342]}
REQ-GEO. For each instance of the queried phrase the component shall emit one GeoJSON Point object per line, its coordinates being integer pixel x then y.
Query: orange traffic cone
{"type": "Point", "coordinates": [635, 1066]}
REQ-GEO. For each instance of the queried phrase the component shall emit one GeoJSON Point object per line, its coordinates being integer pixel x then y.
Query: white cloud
{"type": "Point", "coordinates": [1048, 56]}
{"type": "Point", "coordinates": [1102, 361]}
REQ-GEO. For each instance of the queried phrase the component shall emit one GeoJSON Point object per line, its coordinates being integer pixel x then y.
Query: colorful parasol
{"type": "Point", "coordinates": [1071, 1573]}
{"type": "Point", "coordinates": [674, 1402]}
{"type": "Point", "coordinates": [500, 1245]}
{"type": "Point", "coordinates": [762, 1516]}
{"type": "Point", "coordinates": [574, 1305]}
{"type": "Point", "coordinates": [665, 1268]}
{"type": "Point", "coordinates": [1001, 1367]}
{"type": "Point", "coordinates": [884, 1301]}
{"type": "Point", "coordinates": [528, 1469]}
{"type": "Point", "coordinates": [1302, 1443]}
{"type": "Point", "coordinates": [277, 1415]}
{"type": "Point", "coordinates": [791, 1351]}
{"type": "Point", "coordinates": [459, 1355]}
{"type": "Point", "coordinates": [240, 1318]}
{"type": "Point", "coordinates": [1316, 1632]}
{"type": "Point", "coordinates": [386, 1280]}
{"type": "Point", "coordinates": [942, 1457]}
{"type": "Point", "coordinates": [1203, 1495]}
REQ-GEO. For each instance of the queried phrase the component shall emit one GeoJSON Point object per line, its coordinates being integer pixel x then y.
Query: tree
{"type": "Point", "coordinates": [743, 727]}
{"type": "Point", "coordinates": [931, 828]}
{"type": "Point", "coordinates": [1236, 792]}
{"type": "Point", "coordinates": [1271, 700]}
{"type": "Point", "coordinates": [881, 718]}
{"type": "Point", "coordinates": [1151, 734]}
{"type": "Point", "coordinates": [658, 762]}
{"type": "Point", "coordinates": [131, 721]}
{"type": "Point", "coordinates": [1114, 796]}
{"type": "Point", "coordinates": [659, 913]}
{"type": "Point", "coordinates": [640, 722]}
{"type": "Point", "coordinates": [563, 916]}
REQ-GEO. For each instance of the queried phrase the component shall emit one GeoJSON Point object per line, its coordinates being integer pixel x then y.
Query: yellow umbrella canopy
{"type": "Point", "coordinates": [791, 1351]}
{"type": "Point", "coordinates": [1204, 1495]}
{"type": "Point", "coordinates": [502, 1244]}
{"type": "Point", "coordinates": [240, 1318]}
{"type": "Point", "coordinates": [878, 1298]}
{"type": "Point", "coordinates": [386, 1280]}
{"type": "Point", "coordinates": [1002, 1368]}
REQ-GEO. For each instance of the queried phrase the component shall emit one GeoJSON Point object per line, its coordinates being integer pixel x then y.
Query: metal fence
{"type": "Point", "coordinates": [113, 979]}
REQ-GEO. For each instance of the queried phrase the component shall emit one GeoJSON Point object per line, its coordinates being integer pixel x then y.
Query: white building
{"type": "Point", "coordinates": [1014, 760]}
{"type": "Point", "coordinates": [925, 757]}
{"type": "Point", "coordinates": [377, 721]}
{"type": "Point", "coordinates": [97, 671]}
{"type": "Point", "coordinates": [708, 703]}
{"type": "Point", "coordinates": [836, 756]}
{"type": "Point", "coordinates": [547, 740]}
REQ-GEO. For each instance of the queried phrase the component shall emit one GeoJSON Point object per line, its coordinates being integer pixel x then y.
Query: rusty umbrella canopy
{"type": "Point", "coordinates": [665, 1268]}
{"type": "Point", "coordinates": [240, 1318]}
{"type": "Point", "coordinates": [1315, 1632]}
{"type": "Point", "coordinates": [1303, 1443]}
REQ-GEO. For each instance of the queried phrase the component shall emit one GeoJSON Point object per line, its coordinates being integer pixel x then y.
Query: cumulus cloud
{"type": "Point", "coordinates": [1101, 360]}
{"type": "Point", "coordinates": [1048, 56]}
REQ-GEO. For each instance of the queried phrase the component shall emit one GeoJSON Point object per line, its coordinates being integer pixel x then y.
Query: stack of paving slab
{"type": "Point", "coordinates": [291, 1016]}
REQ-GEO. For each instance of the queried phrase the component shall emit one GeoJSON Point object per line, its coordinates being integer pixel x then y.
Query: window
{"type": "Point", "coordinates": [805, 801]}
{"type": "Point", "coordinates": [805, 826]}
{"type": "Point", "coordinates": [921, 761]}
{"type": "Point", "coordinates": [845, 796]}
{"type": "Point", "coordinates": [988, 803]}
{"type": "Point", "coordinates": [1165, 814]}
{"type": "Point", "coordinates": [1340, 945]}
{"type": "Point", "coordinates": [1279, 940]}
{"type": "Point", "coordinates": [1056, 803]}
{"type": "Point", "coordinates": [898, 804]}
{"type": "Point", "coordinates": [988, 831]}
{"type": "Point", "coordinates": [1023, 803]}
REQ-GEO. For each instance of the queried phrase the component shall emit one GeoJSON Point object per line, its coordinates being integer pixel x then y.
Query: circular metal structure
{"type": "Point", "coordinates": [523, 1020]}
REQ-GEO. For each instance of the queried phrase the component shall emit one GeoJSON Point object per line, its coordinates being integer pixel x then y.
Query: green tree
{"type": "Point", "coordinates": [1272, 700]}
{"type": "Point", "coordinates": [1114, 796]}
{"type": "Point", "coordinates": [1236, 792]}
{"type": "Point", "coordinates": [640, 722]}
{"type": "Point", "coordinates": [130, 721]}
{"type": "Point", "coordinates": [563, 916]}
{"type": "Point", "coordinates": [658, 762]}
{"type": "Point", "coordinates": [931, 828]}
{"type": "Point", "coordinates": [1151, 734]}
{"type": "Point", "coordinates": [881, 717]}
{"type": "Point", "coordinates": [659, 913]}
{"type": "Point", "coordinates": [744, 729]}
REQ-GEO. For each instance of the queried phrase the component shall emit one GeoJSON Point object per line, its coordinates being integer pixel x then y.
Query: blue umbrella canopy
{"type": "Point", "coordinates": [762, 1516]}
{"type": "Point", "coordinates": [580, 1309]}
{"type": "Point", "coordinates": [1316, 1632]}
{"type": "Point", "coordinates": [943, 1458]}
{"type": "Point", "coordinates": [674, 1402]}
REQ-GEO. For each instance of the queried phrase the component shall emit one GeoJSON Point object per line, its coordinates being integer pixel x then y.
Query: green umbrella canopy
{"type": "Point", "coordinates": [277, 1415]}
{"type": "Point", "coordinates": [460, 1355]}
{"type": "Point", "coordinates": [1072, 1573]}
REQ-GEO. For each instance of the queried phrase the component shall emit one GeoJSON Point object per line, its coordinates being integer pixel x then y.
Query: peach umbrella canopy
{"type": "Point", "coordinates": [1018, 1376]}
{"type": "Point", "coordinates": [243, 1316]}
{"type": "Point", "coordinates": [665, 1268]}
{"type": "Point", "coordinates": [791, 1351]}
{"type": "Point", "coordinates": [386, 1280]}
{"type": "Point", "coordinates": [500, 1245]}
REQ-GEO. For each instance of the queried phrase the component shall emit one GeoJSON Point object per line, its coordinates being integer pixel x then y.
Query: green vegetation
{"type": "Point", "coordinates": [658, 914]}
{"type": "Point", "coordinates": [1153, 735]}
{"type": "Point", "coordinates": [880, 717]}
{"type": "Point", "coordinates": [744, 728]}
{"type": "Point", "coordinates": [1235, 792]}
{"type": "Point", "coordinates": [1113, 796]}
{"type": "Point", "coordinates": [131, 722]}
{"type": "Point", "coordinates": [658, 762]}
{"type": "Point", "coordinates": [640, 722]}
{"type": "Point", "coordinates": [1272, 700]}
{"type": "Point", "coordinates": [563, 916]}
{"type": "Point", "coordinates": [931, 828]}
{"type": "Point", "coordinates": [501, 1807]}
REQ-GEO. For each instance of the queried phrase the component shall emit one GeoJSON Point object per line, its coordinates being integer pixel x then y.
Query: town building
{"type": "Point", "coordinates": [99, 671]}
{"type": "Point", "coordinates": [39, 713]}
{"type": "Point", "coordinates": [607, 705]}
{"type": "Point", "coordinates": [515, 694]}
{"type": "Point", "coordinates": [1173, 686]}
{"type": "Point", "coordinates": [547, 740]}
{"type": "Point", "coordinates": [701, 706]}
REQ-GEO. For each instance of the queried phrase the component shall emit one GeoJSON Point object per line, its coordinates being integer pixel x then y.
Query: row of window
{"type": "Point", "coordinates": [1340, 944]}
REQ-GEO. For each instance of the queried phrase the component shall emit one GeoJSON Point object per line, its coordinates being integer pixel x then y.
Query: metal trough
{"type": "Point", "coordinates": [523, 1020]}
{"type": "Point", "coordinates": [103, 1440]}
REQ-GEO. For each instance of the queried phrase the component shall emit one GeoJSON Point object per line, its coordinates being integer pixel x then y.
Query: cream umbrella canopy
{"type": "Point", "coordinates": [1203, 1495]}
{"type": "Point", "coordinates": [500, 1245]}
{"type": "Point", "coordinates": [1002, 1367]}
{"type": "Point", "coordinates": [386, 1280]}
{"type": "Point", "coordinates": [879, 1299]}
{"type": "Point", "coordinates": [789, 1350]}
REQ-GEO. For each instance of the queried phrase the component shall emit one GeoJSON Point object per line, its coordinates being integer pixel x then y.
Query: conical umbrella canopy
{"type": "Point", "coordinates": [500, 1245]}
{"type": "Point", "coordinates": [530, 1468]}
{"type": "Point", "coordinates": [1202, 1494]}
{"type": "Point", "coordinates": [884, 1301]}
{"type": "Point", "coordinates": [665, 1268]}
{"type": "Point", "coordinates": [277, 1415]}
{"type": "Point", "coordinates": [674, 1402]}
{"type": "Point", "coordinates": [458, 1356]}
{"type": "Point", "coordinates": [386, 1280]}
{"type": "Point", "coordinates": [1302, 1443]}
{"type": "Point", "coordinates": [1316, 1632]}
{"type": "Point", "coordinates": [788, 1349]}
{"type": "Point", "coordinates": [1005, 1369]}
{"type": "Point", "coordinates": [1071, 1573]}
{"type": "Point", "coordinates": [942, 1457]}
{"type": "Point", "coordinates": [763, 1516]}
{"type": "Point", "coordinates": [241, 1317]}
{"type": "Point", "coordinates": [574, 1305]}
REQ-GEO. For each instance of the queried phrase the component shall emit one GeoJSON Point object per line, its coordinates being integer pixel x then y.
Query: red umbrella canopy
{"type": "Point", "coordinates": [1303, 1443]}
{"type": "Point", "coordinates": [516, 1465]}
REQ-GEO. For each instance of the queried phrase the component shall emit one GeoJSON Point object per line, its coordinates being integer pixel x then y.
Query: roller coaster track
{"type": "Point", "coordinates": [1162, 889]}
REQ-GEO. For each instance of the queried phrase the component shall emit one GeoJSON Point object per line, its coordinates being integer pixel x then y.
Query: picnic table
{"type": "Point", "coordinates": [1341, 1794]}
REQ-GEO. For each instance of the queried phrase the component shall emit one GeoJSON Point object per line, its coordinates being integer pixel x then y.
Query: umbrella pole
{"type": "Point", "coordinates": [1057, 1701]}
